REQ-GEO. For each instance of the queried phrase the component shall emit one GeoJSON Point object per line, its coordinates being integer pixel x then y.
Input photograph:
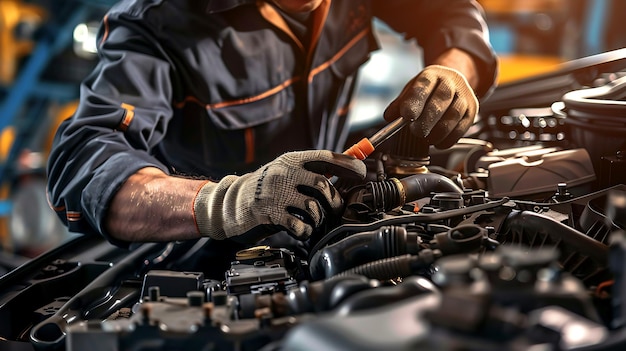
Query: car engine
{"type": "Point", "coordinates": [514, 238]}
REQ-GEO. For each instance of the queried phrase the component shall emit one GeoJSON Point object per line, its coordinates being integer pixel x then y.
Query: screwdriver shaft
{"type": "Point", "coordinates": [366, 146]}
{"type": "Point", "coordinates": [388, 131]}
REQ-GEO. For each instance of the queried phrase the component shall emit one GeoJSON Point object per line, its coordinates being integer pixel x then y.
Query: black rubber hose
{"type": "Point", "coordinates": [360, 248]}
{"type": "Point", "coordinates": [383, 196]}
{"type": "Point", "coordinates": [324, 295]}
{"type": "Point", "coordinates": [393, 267]}
{"type": "Point", "coordinates": [384, 269]}
{"type": "Point", "coordinates": [410, 287]}
{"type": "Point", "coordinates": [419, 186]}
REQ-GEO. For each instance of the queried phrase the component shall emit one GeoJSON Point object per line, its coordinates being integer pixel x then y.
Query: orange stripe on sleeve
{"type": "Point", "coordinates": [54, 208]}
{"type": "Point", "coordinates": [74, 216]}
{"type": "Point", "coordinates": [128, 116]}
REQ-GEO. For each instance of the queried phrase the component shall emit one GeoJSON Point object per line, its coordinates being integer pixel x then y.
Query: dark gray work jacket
{"type": "Point", "coordinates": [218, 87]}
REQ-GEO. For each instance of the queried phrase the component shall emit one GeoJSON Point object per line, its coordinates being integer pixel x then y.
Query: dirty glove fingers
{"type": "Point", "coordinates": [456, 104]}
{"type": "Point", "coordinates": [325, 162]}
{"type": "Point", "coordinates": [438, 99]}
{"type": "Point", "coordinates": [310, 195]}
{"type": "Point", "coordinates": [456, 120]}
{"type": "Point", "coordinates": [316, 165]}
{"type": "Point", "coordinates": [298, 228]}
{"type": "Point", "coordinates": [306, 211]}
{"type": "Point", "coordinates": [411, 101]}
{"type": "Point", "coordinates": [457, 133]}
{"type": "Point", "coordinates": [454, 123]}
{"type": "Point", "coordinates": [324, 193]}
{"type": "Point", "coordinates": [440, 104]}
{"type": "Point", "coordinates": [303, 217]}
{"type": "Point", "coordinates": [448, 112]}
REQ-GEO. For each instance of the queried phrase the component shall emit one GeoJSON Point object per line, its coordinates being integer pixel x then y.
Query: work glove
{"type": "Point", "coordinates": [291, 193]}
{"type": "Point", "coordinates": [440, 103]}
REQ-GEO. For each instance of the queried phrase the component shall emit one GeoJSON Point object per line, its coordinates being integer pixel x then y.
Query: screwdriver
{"type": "Point", "coordinates": [366, 146]}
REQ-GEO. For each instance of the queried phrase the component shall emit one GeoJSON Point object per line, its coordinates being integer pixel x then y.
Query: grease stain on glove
{"type": "Point", "coordinates": [441, 104]}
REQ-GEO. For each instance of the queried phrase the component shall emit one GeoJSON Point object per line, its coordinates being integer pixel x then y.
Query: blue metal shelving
{"type": "Point", "coordinates": [23, 103]}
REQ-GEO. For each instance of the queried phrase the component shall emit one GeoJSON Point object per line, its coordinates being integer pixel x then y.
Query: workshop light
{"type": "Point", "coordinates": [85, 40]}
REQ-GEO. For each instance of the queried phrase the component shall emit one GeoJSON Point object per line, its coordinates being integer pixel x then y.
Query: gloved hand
{"type": "Point", "coordinates": [441, 104]}
{"type": "Point", "coordinates": [290, 193]}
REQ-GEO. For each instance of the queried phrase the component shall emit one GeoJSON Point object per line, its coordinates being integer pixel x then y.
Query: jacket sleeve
{"type": "Point", "coordinates": [438, 25]}
{"type": "Point", "coordinates": [124, 108]}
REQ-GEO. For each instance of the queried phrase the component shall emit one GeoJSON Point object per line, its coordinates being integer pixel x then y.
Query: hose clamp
{"type": "Point", "coordinates": [401, 190]}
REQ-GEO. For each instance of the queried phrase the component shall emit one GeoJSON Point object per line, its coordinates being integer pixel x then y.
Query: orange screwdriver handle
{"type": "Point", "coordinates": [360, 150]}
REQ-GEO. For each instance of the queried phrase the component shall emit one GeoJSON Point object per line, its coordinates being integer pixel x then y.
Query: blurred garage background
{"type": "Point", "coordinates": [48, 46]}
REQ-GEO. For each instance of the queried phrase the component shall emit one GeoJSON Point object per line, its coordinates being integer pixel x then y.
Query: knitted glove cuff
{"type": "Point", "coordinates": [207, 208]}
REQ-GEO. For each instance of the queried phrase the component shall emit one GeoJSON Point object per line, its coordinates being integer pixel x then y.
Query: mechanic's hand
{"type": "Point", "coordinates": [290, 193]}
{"type": "Point", "coordinates": [441, 104]}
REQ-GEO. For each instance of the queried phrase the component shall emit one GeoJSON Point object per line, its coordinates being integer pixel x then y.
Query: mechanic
{"type": "Point", "coordinates": [222, 118]}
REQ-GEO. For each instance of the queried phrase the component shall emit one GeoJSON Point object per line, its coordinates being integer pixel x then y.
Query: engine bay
{"type": "Point", "coordinates": [515, 238]}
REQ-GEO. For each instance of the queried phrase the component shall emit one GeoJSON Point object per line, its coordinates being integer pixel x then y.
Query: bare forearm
{"type": "Point", "coordinates": [152, 206]}
{"type": "Point", "coordinates": [462, 62]}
